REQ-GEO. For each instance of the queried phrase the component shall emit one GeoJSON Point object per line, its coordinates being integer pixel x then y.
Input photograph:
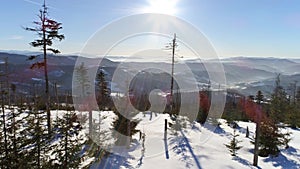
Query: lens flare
{"type": "Point", "coordinates": [168, 7]}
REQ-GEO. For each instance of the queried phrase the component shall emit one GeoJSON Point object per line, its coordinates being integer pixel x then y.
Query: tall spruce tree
{"type": "Point", "coordinates": [103, 98]}
{"type": "Point", "coordinates": [81, 74]}
{"type": "Point", "coordinates": [293, 115]}
{"type": "Point", "coordinates": [293, 111]}
{"type": "Point", "coordinates": [47, 30]}
{"type": "Point", "coordinates": [270, 139]}
{"type": "Point", "coordinates": [279, 102]}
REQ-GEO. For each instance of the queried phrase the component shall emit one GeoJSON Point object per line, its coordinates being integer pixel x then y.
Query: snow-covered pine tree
{"type": "Point", "coordinates": [233, 145]}
{"type": "Point", "coordinates": [68, 145]}
{"type": "Point", "coordinates": [99, 140]}
{"type": "Point", "coordinates": [36, 139]}
{"type": "Point", "coordinates": [10, 139]}
{"type": "Point", "coordinates": [15, 140]}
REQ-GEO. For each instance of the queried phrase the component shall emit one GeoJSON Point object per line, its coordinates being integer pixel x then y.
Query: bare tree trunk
{"type": "Point", "coordinates": [7, 80]}
{"type": "Point", "coordinates": [90, 122]}
{"type": "Point", "coordinates": [4, 125]}
{"type": "Point", "coordinates": [66, 144]}
{"type": "Point", "coordinates": [47, 100]}
{"type": "Point", "coordinates": [14, 136]}
{"type": "Point", "coordinates": [128, 133]}
{"type": "Point", "coordinates": [257, 133]}
{"type": "Point", "coordinates": [172, 73]}
{"type": "Point", "coordinates": [38, 142]}
{"type": "Point", "coordinates": [166, 129]}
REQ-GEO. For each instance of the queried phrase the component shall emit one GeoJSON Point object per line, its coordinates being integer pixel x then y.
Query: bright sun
{"type": "Point", "coordinates": [161, 6]}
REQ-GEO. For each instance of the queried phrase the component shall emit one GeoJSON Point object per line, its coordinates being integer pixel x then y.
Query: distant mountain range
{"type": "Point", "coordinates": [245, 75]}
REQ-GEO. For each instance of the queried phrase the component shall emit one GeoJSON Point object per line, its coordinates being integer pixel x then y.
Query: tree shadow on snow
{"type": "Point", "coordinates": [243, 161]}
{"type": "Point", "coordinates": [166, 146]}
{"type": "Point", "coordinates": [217, 129]}
{"type": "Point", "coordinates": [291, 151]}
{"type": "Point", "coordinates": [119, 158]}
{"type": "Point", "coordinates": [283, 162]}
{"type": "Point", "coordinates": [220, 131]}
{"type": "Point", "coordinates": [183, 148]}
{"type": "Point", "coordinates": [113, 161]}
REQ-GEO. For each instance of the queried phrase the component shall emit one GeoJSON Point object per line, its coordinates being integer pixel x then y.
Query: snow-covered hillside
{"type": "Point", "coordinates": [185, 148]}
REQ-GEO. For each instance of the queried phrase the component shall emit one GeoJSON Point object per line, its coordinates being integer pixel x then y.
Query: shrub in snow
{"type": "Point", "coordinates": [233, 145]}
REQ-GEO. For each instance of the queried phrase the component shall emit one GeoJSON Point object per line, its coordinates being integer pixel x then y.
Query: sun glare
{"type": "Point", "coordinates": [161, 6]}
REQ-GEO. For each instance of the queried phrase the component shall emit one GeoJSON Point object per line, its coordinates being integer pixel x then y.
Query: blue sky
{"type": "Point", "coordinates": [234, 27]}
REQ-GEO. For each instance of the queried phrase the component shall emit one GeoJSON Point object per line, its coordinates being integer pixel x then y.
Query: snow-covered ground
{"type": "Point", "coordinates": [189, 146]}
{"type": "Point", "coordinates": [185, 149]}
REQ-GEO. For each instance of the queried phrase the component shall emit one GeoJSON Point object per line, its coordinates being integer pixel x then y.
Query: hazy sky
{"type": "Point", "coordinates": [234, 27]}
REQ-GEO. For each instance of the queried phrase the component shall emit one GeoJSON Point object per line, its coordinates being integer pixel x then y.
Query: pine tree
{"type": "Point", "coordinates": [81, 74]}
{"type": "Point", "coordinates": [69, 143]}
{"type": "Point", "coordinates": [99, 141]}
{"type": "Point", "coordinates": [233, 145]}
{"type": "Point", "coordinates": [25, 143]}
{"type": "Point", "coordinates": [37, 143]}
{"type": "Point", "coordinates": [293, 115]}
{"type": "Point", "coordinates": [103, 91]}
{"type": "Point", "coordinates": [47, 30]}
{"type": "Point", "coordinates": [279, 103]}
{"type": "Point", "coordinates": [298, 96]}
{"type": "Point", "coordinates": [14, 139]}
{"type": "Point", "coordinates": [125, 127]}
{"type": "Point", "coordinates": [270, 139]}
{"type": "Point", "coordinates": [293, 111]}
